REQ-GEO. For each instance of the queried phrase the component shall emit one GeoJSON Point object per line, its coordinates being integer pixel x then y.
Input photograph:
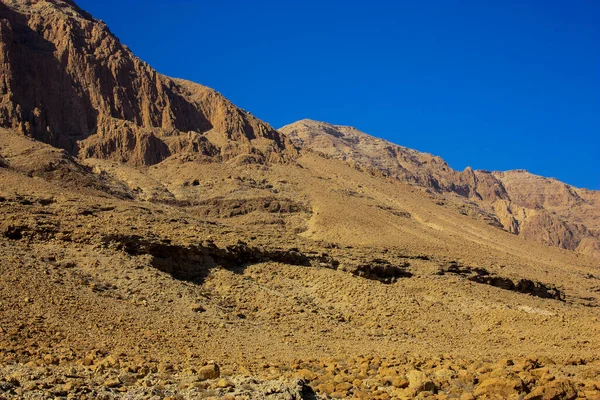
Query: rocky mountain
{"type": "Point", "coordinates": [542, 209]}
{"type": "Point", "coordinates": [69, 82]}
{"type": "Point", "coordinates": [158, 242]}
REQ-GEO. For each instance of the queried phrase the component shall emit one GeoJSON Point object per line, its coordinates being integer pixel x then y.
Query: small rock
{"type": "Point", "coordinates": [71, 386]}
{"type": "Point", "coordinates": [400, 382]}
{"type": "Point", "coordinates": [419, 382]}
{"type": "Point", "coordinates": [112, 382]}
{"type": "Point", "coordinates": [50, 360]}
{"type": "Point", "coordinates": [210, 371]}
{"type": "Point", "coordinates": [128, 379]}
{"type": "Point", "coordinates": [165, 367]}
{"type": "Point", "coordinates": [503, 387]}
{"type": "Point", "coordinates": [554, 390]}
{"type": "Point", "coordinates": [111, 361]}
{"type": "Point", "coordinates": [326, 388]}
{"type": "Point", "coordinates": [306, 374]}
{"type": "Point", "coordinates": [197, 308]}
{"type": "Point", "coordinates": [343, 387]}
{"type": "Point", "coordinates": [224, 383]}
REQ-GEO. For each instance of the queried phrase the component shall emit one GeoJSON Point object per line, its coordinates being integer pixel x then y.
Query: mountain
{"type": "Point", "coordinates": [158, 242]}
{"type": "Point", "coordinates": [67, 81]}
{"type": "Point", "coordinates": [542, 209]}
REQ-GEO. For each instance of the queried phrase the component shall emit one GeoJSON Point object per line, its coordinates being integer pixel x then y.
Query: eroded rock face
{"type": "Point", "coordinates": [68, 81]}
{"type": "Point", "coordinates": [380, 157]}
{"type": "Point", "coordinates": [551, 212]}
{"type": "Point", "coordinates": [542, 209]}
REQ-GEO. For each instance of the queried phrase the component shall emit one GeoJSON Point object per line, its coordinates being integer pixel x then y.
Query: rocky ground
{"type": "Point", "coordinates": [366, 377]}
{"type": "Point", "coordinates": [105, 295]}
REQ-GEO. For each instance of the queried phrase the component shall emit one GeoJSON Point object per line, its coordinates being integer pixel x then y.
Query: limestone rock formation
{"type": "Point", "coordinates": [68, 81]}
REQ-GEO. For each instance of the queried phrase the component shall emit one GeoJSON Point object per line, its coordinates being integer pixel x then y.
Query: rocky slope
{"type": "Point", "coordinates": [154, 245]}
{"type": "Point", "coordinates": [68, 81]}
{"type": "Point", "coordinates": [126, 282]}
{"type": "Point", "coordinates": [538, 208]}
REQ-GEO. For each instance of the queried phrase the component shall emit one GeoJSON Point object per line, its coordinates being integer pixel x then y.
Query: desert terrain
{"type": "Point", "coordinates": [158, 242]}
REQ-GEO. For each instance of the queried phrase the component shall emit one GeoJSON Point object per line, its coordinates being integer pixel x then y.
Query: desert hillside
{"type": "Point", "coordinates": [542, 209]}
{"type": "Point", "coordinates": [157, 242]}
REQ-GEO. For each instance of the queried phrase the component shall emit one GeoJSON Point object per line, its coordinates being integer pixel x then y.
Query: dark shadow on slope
{"type": "Point", "coordinates": [193, 263]}
{"type": "Point", "coordinates": [522, 285]}
{"type": "Point", "coordinates": [382, 271]}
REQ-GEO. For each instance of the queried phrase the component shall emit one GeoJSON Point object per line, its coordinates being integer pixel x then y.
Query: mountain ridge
{"type": "Point", "coordinates": [523, 203]}
{"type": "Point", "coordinates": [485, 170]}
{"type": "Point", "coordinates": [97, 89]}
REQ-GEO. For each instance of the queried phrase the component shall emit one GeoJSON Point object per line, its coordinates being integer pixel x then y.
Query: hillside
{"type": "Point", "coordinates": [542, 209]}
{"type": "Point", "coordinates": [158, 242]}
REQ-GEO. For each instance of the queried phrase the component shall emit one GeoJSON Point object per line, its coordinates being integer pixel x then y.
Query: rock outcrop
{"type": "Point", "coordinates": [69, 82]}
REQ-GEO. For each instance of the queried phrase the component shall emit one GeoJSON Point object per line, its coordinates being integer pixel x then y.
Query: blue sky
{"type": "Point", "coordinates": [492, 84]}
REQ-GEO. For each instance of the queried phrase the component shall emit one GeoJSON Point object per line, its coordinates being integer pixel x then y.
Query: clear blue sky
{"type": "Point", "coordinates": [492, 84]}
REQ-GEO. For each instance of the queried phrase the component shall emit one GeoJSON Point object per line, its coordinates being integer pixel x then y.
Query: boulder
{"type": "Point", "coordinates": [210, 371]}
{"type": "Point", "coordinates": [507, 388]}
{"type": "Point", "coordinates": [557, 390]}
{"type": "Point", "coordinates": [419, 382]}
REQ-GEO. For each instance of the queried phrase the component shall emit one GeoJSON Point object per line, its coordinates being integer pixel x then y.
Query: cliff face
{"type": "Point", "coordinates": [538, 208]}
{"type": "Point", "coordinates": [68, 81]}
{"type": "Point", "coordinates": [551, 211]}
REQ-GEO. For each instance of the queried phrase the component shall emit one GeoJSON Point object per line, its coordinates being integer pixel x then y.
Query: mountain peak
{"type": "Point", "coordinates": [72, 84]}
{"type": "Point", "coordinates": [315, 124]}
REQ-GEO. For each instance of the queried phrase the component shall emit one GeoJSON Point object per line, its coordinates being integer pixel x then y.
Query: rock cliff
{"type": "Point", "coordinates": [69, 82]}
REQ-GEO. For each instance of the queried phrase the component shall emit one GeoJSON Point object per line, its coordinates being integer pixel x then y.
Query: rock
{"type": "Point", "coordinates": [558, 390]}
{"type": "Point", "coordinates": [400, 382]}
{"type": "Point", "coordinates": [224, 383]}
{"type": "Point", "coordinates": [509, 387]}
{"type": "Point", "coordinates": [89, 359]}
{"type": "Point", "coordinates": [71, 386]}
{"type": "Point", "coordinates": [165, 367]}
{"type": "Point", "coordinates": [444, 374]}
{"type": "Point", "coordinates": [112, 382]}
{"type": "Point", "coordinates": [110, 361]}
{"type": "Point", "coordinates": [50, 360]}
{"type": "Point", "coordinates": [305, 374]}
{"type": "Point", "coordinates": [419, 382]}
{"type": "Point", "coordinates": [197, 308]}
{"type": "Point", "coordinates": [326, 388]}
{"type": "Point", "coordinates": [343, 387]}
{"type": "Point", "coordinates": [128, 379]}
{"type": "Point", "coordinates": [210, 371]}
